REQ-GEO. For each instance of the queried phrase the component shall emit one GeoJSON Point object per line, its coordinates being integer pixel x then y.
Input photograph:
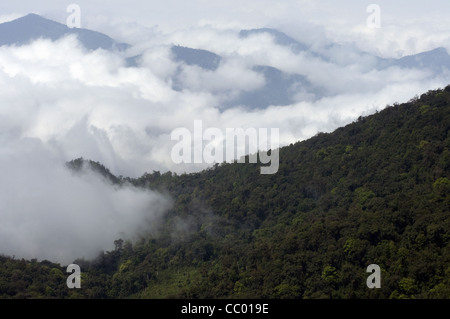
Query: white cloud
{"type": "Point", "coordinates": [231, 75]}
{"type": "Point", "coordinates": [49, 213]}
{"type": "Point", "coordinates": [89, 104]}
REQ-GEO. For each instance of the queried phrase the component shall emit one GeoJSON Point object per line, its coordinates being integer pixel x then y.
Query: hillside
{"type": "Point", "coordinates": [374, 192]}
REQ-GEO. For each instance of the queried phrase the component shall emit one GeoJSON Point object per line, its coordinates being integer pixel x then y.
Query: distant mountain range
{"type": "Point", "coordinates": [32, 27]}
{"type": "Point", "coordinates": [281, 88]}
{"type": "Point", "coordinates": [436, 60]}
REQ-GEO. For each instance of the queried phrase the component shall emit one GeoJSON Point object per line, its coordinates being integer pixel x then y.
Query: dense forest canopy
{"type": "Point", "coordinates": [376, 191]}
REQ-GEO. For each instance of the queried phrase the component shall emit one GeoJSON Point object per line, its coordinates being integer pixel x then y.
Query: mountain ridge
{"type": "Point", "coordinates": [32, 27]}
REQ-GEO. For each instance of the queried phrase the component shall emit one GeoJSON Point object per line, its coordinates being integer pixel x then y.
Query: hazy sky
{"type": "Point", "coordinates": [59, 102]}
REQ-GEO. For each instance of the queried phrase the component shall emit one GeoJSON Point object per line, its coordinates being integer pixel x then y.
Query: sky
{"type": "Point", "coordinates": [59, 102]}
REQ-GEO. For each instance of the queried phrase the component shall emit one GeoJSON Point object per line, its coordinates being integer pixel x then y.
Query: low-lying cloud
{"type": "Point", "coordinates": [49, 212]}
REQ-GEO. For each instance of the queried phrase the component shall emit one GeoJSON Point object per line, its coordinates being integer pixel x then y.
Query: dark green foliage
{"type": "Point", "coordinates": [374, 192]}
{"type": "Point", "coordinates": [32, 279]}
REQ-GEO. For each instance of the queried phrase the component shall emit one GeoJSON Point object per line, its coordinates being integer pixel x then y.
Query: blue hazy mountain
{"type": "Point", "coordinates": [32, 27]}
{"type": "Point", "coordinates": [280, 88]}
{"type": "Point", "coordinates": [436, 60]}
{"type": "Point", "coordinates": [202, 58]}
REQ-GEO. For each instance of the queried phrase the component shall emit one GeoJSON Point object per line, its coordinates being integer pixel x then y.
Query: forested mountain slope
{"type": "Point", "coordinates": [374, 192]}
